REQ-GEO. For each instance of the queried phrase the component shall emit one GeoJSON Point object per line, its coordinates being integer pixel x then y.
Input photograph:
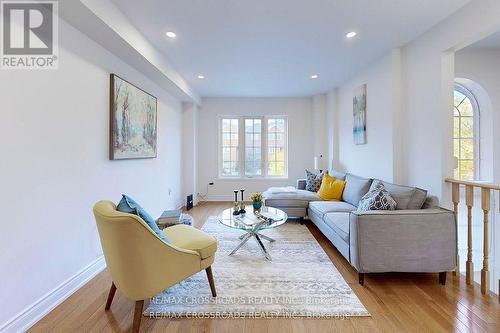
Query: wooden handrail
{"type": "Point", "coordinates": [475, 183]}
{"type": "Point", "coordinates": [486, 189]}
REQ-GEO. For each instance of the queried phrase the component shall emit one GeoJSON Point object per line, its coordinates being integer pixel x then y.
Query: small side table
{"type": "Point", "coordinates": [168, 218]}
{"type": "Point", "coordinates": [172, 217]}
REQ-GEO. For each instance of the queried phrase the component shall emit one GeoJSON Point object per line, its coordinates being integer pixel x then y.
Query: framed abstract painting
{"type": "Point", "coordinates": [133, 121]}
{"type": "Point", "coordinates": [359, 115]}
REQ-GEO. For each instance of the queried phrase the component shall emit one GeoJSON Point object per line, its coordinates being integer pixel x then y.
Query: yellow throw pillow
{"type": "Point", "coordinates": [331, 188]}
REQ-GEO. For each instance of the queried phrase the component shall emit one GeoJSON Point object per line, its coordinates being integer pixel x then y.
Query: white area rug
{"type": "Point", "coordinates": [300, 281]}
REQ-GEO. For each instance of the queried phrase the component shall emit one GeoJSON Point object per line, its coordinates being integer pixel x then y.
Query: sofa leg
{"type": "Point", "coordinates": [361, 278]}
{"type": "Point", "coordinates": [137, 316]}
{"type": "Point", "coordinates": [301, 220]}
{"type": "Point", "coordinates": [442, 278]}
{"type": "Point", "coordinates": [111, 294]}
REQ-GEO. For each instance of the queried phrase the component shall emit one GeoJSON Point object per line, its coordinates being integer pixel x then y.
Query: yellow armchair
{"type": "Point", "coordinates": [141, 264]}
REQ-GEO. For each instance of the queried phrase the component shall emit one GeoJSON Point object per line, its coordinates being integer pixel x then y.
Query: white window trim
{"type": "Point", "coordinates": [219, 147]}
{"type": "Point", "coordinates": [241, 147]}
{"type": "Point", "coordinates": [266, 162]}
{"type": "Point", "coordinates": [263, 122]}
{"type": "Point", "coordinates": [476, 115]}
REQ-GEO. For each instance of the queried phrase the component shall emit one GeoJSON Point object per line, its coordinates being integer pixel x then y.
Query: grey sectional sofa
{"type": "Point", "coordinates": [418, 236]}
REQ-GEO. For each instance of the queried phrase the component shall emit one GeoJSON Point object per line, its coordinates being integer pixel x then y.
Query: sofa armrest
{"type": "Point", "coordinates": [431, 202]}
{"type": "Point", "coordinates": [423, 240]}
{"type": "Point", "coordinates": [301, 184]}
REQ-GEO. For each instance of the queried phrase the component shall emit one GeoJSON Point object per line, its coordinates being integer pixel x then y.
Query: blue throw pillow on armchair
{"type": "Point", "coordinates": [128, 205]}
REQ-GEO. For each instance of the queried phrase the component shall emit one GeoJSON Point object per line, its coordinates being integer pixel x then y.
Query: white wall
{"type": "Point", "coordinates": [428, 85]}
{"type": "Point", "coordinates": [481, 67]}
{"type": "Point", "coordinates": [409, 96]}
{"type": "Point", "coordinates": [300, 141]}
{"type": "Point", "coordinates": [479, 71]}
{"type": "Point", "coordinates": [318, 115]}
{"type": "Point", "coordinates": [54, 167]}
{"type": "Point", "coordinates": [189, 151]}
{"type": "Point", "coordinates": [429, 73]}
{"type": "Point", "coordinates": [332, 135]}
{"type": "Point", "coordinates": [376, 157]}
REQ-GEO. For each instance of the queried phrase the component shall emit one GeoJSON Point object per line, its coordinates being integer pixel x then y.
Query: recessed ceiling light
{"type": "Point", "coordinates": [314, 76]}
{"type": "Point", "coordinates": [351, 34]}
{"type": "Point", "coordinates": [170, 34]}
{"type": "Point", "coordinates": [201, 77]}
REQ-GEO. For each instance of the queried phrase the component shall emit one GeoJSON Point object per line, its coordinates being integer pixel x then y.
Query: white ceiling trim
{"type": "Point", "coordinates": [103, 22]}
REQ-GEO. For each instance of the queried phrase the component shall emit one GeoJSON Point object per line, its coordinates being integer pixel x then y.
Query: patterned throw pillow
{"type": "Point", "coordinates": [377, 199]}
{"type": "Point", "coordinates": [313, 181]}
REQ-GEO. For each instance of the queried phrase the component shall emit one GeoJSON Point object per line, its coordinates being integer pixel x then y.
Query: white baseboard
{"type": "Point", "coordinates": [220, 197]}
{"type": "Point", "coordinates": [39, 309]}
{"type": "Point", "coordinates": [180, 205]}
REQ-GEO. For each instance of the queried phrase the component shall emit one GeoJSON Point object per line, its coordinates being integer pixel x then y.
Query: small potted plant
{"type": "Point", "coordinates": [256, 201]}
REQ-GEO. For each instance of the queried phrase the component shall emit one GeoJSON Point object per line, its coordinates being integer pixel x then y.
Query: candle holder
{"type": "Point", "coordinates": [242, 203]}
{"type": "Point", "coordinates": [236, 210]}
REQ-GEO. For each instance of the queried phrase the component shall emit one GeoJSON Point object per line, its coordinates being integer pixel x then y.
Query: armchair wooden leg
{"type": "Point", "coordinates": [111, 294]}
{"type": "Point", "coordinates": [137, 316]}
{"type": "Point", "coordinates": [361, 278]}
{"type": "Point", "coordinates": [442, 278]}
{"type": "Point", "coordinates": [211, 281]}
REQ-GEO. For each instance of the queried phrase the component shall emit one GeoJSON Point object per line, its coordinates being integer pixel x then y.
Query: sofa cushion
{"type": "Point", "coordinates": [313, 181]}
{"type": "Point", "coordinates": [400, 193]}
{"type": "Point", "coordinates": [431, 202]}
{"type": "Point", "coordinates": [355, 188]}
{"type": "Point", "coordinates": [418, 199]}
{"type": "Point", "coordinates": [337, 174]}
{"type": "Point", "coordinates": [190, 238]}
{"type": "Point", "coordinates": [407, 197]}
{"type": "Point", "coordinates": [323, 207]}
{"type": "Point", "coordinates": [339, 222]}
{"type": "Point", "coordinates": [377, 199]}
{"type": "Point", "coordinates": [299, 198]}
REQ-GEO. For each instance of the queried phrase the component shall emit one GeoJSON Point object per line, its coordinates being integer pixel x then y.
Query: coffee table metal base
{"type": "Point", "coordinates": [245, 237]}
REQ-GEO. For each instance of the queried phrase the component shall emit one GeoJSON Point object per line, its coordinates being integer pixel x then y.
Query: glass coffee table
{"type": "Point", "coordinates": [253, 230]}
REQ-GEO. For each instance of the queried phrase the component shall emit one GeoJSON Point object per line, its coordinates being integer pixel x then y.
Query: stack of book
{"type": "Point", "coordinates": [248, 219]}
{"type": "Point", "coordinates": [251, 220]}
{"type": "Point", "coordinates": [270, 217]}
{"type": "Point", "coordinates": [168, 218]}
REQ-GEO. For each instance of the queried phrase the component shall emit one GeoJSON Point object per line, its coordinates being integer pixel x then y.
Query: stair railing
{"type": "Point", "coordinates": [486, 189]}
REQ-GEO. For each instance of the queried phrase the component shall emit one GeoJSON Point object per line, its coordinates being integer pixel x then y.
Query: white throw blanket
{"type": "Point", "coordinates": [281, 190]}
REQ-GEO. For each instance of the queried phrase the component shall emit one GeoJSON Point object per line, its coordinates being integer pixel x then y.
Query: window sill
{"type": "Point", "coordinates": [251, 178]}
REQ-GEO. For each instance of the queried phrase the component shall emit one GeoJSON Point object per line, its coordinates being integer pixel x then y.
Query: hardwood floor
{"type": "Point", "coordinates": [396, 302]}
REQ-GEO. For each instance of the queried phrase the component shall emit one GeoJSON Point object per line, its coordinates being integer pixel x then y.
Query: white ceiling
{"type": "Point", "coordinates": [271, 47]}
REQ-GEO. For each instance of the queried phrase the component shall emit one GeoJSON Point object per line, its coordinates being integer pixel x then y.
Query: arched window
{"type": "Point", "coordinates": [465, 134]}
